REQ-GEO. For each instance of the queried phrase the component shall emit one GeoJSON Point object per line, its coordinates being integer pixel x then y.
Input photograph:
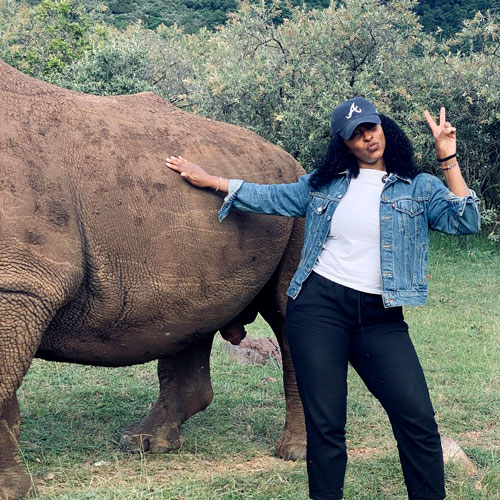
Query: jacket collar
{"type": "Point", "coordinates": [401, 177]}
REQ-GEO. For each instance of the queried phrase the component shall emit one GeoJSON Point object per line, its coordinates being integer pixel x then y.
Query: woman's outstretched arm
{"type": "Point", "coordinates": [272, 199]}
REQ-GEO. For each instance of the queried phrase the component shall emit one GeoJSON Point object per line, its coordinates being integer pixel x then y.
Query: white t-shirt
{"type": "Point", "coordinates": [351, 253]}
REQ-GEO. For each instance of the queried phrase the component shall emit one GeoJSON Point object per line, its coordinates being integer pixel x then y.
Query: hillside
{"type": "Point", "coordinates": [450, 14]}
{"type": "Point", "coordinates": [191, 14]}
{"type": "Point", "coordinates": [194, 14]}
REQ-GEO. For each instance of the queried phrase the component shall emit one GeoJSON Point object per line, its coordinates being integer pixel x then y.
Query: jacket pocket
{"type": "Point", "coordinates": [410, 217]}
{"type": "Point", "coordinates": [410, 207]}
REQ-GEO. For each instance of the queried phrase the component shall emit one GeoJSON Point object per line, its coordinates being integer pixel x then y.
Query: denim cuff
{"type": "Point", "coordinates": [233, 188]}
{"type": "Point", "coordinates": [460, 202]}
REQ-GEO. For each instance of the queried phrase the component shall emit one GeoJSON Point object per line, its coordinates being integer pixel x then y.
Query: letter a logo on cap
{"type": "Point", "coordinates": [354, 109]}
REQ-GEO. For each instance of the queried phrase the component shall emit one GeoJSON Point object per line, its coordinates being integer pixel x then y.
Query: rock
{"type": "Point", "coordinates": [100, 464]}
{"type": "Point", "coordinates": [255, 351]}
{"type": "Point", "coordinates": [454, 454]}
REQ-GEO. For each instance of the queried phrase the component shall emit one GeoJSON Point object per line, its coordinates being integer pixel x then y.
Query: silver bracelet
{"type": "Point", "coordinates": [447, 167]}
{"type": "Point", "coordinates": [218, 184]}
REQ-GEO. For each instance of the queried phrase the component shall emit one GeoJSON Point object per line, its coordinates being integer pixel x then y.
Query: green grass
{"type": "Point", "coordinates": [73, 415]}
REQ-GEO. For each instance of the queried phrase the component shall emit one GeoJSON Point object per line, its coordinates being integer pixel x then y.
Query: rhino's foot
{"type": "Point", "coordinates": [15, 484]}
{"type": "Point", "coordinates": [155, 434]}
{"type": "Point", "coordinates": [137, 442]}
{"type": "Point", "coordinates": [291, 446]}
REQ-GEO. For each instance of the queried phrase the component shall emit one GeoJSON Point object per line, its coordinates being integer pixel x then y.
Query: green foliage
{"type": "Point", "coordinates": [42, 40]}
{"type": "Point", "coordinates": [190, 14]}
{"type": "Point", "coordinates": [135, 60]}
{"type": "Point", "coordinates": [446, 16]}
{"type": "Point", "coordinates": [123, 65]}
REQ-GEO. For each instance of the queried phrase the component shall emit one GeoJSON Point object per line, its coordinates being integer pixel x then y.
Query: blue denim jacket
{"type": "Point", "coordinates": [408, 208]}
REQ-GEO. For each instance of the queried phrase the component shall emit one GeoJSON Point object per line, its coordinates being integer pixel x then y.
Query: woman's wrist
{"type": "Point", "coordinates": [218, 184]}
{"type": "Point", "coordinates": [447, 161]}
{"type": "Point", "coordinates": [213, 182]}
{"type": "Point", "coordinates": [448, 157]}
{"type": "Point", "coordinates": [448, 165]}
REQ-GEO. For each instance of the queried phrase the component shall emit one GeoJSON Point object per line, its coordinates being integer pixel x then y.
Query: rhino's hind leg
{"type": "Point", "coordinates": [185, 389]}
{"type": "Point", "coordinates": [272, 305]}
{"type": "Point", "coordinates": [292, 444]}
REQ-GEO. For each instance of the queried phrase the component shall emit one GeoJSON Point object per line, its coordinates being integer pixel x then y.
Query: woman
{"type": "Point", "coordinates": [368, 213]}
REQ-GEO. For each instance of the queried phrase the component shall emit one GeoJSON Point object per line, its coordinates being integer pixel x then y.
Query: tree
{"type": "Point", "coordinates": [42, 40]}
{"type": "Point", "coordinates": [448, 16]}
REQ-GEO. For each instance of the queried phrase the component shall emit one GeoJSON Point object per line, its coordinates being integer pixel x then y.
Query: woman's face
{"type": "Point", "coordinates": [367, 144]}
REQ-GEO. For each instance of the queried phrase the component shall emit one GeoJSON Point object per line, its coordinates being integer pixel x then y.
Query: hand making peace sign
{"type": "Point", "coordinates": [445, 136]}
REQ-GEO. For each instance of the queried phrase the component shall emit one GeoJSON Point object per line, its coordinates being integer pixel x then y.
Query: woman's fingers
{"type": "Point", "coordinates": [442, 116]}
{"type": "Point", "coordinates": [430, 120]}
{"type": "Point", "coordinates": [444, 127]}
{"type": "Point", "coordinates": [171, 163]}
{"type": "Point", "coordinates": [190, 171]}
{"type": "Point", "coordinates": [175, 161]}
{"type": "Point", "coordinates": [179, 164]}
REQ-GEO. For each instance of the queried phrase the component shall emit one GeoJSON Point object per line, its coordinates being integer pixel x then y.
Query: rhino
{"type": "Point", "coordinates": [108, 258]}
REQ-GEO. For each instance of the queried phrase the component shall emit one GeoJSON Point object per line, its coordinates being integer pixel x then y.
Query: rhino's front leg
{"type": "Point", "coordinates": [14, 481]}
{"type": "Point", "coordinates": [185, 389]}
{"type": "Point", "coordinates": [23, 318]}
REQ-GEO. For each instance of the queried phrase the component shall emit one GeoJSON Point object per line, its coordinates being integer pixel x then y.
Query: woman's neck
{"type": "Point", "coordinates": [378, 165]}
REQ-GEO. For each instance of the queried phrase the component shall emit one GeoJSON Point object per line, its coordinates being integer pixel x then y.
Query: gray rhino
{"type": "Point", "coordinates": [108, 258]}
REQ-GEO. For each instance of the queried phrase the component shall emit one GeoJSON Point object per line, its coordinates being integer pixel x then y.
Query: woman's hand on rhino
{"type": "Point", "coordinates": [195, 175]}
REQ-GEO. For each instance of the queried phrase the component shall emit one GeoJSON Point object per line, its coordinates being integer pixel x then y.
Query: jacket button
{"type": "Point", "coordinates": [328, 217]}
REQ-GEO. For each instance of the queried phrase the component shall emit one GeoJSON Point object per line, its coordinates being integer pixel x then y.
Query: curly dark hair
{"type": "Point", "coordinates": [398, 156]}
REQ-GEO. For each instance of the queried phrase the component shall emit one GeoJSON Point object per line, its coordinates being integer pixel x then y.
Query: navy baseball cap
{"type": "Point", "coordinates": [348, 115]}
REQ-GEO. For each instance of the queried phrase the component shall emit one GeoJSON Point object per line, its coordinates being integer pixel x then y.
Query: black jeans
{"type": "Point", "coordinates": [329, 325]}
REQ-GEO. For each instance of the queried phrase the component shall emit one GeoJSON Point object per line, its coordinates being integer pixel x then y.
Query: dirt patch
{"type": "Point", "coordinates": [486, 438]}
{"type": "Point", "coordinates": [361, 453]}
{"type": "Point", "coordinates": [256, 351]}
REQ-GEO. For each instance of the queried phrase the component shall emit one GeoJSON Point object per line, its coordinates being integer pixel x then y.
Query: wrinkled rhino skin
{"type": "Point", "coordinates": [109, 258]}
